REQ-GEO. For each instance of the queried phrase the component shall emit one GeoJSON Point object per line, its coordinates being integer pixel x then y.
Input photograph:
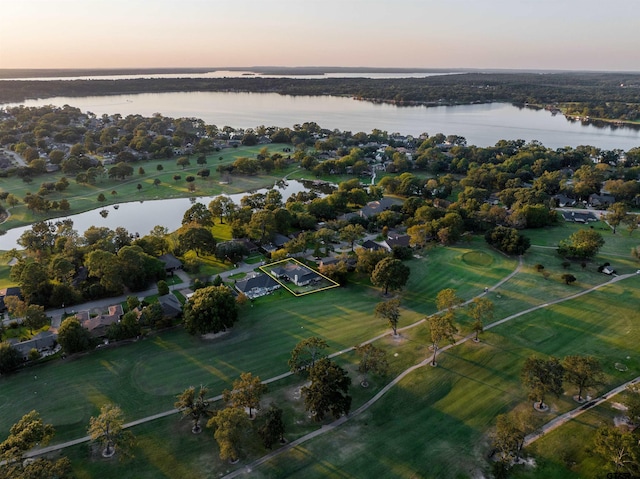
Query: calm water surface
{"type": "Point", "coordinates": [141, 216]}
{"type": "Point", "coordinates": [481, 125]}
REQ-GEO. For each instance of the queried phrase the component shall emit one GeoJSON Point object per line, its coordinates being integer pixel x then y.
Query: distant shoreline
{"type": "Point", "coordinates": [16, 73]}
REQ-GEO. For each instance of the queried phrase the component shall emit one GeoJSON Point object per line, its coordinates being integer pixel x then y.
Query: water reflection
{"type": "Point", "coordinates": [139, 217]}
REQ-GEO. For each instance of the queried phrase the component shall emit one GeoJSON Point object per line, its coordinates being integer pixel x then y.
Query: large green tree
{"type": "Point", "coordinates": [230, 426]}
{"type": "Point", "coordinates": [509, 435]}
{"type": "Point", "coordinates": [583, 371]}
{"type": "Point", "coordinates": [210, 309]}
{"type": "Point", "coordinates": [390, 274]}
{"type": "Point", "coordinates": [389, 310]}
{"type": "Point", "coordinates": [30, 431]}
{"type": "Point", "coordinates": [542, 376]}
{"type": "Point", "coordinates": [306, 353]}
{"type": "Point", "coordinates": [583, 244]}
{"type": "Point", "coordinates": [10, 358]}
{"type": "Point", "coordinates": [372, 360]}
{"type": "Point", "coordinates": [108, 430]}
{"type": "Point", "coordinates": [246, 392]}
{"type": "Point", "coordinates": [72, 337]}
{"type": "Point", "coordinates": [620, 449]}
{"type": "Point", "coordinates": [328, 391]}
{"type": "Point", "coordinates": [480, 309]}
{"type": "Point", "coordinates": [272, 428]}
{"type": "Point", "coordinates": [194, 406]}
{"type": "Point", "coordinates": [441, 328]}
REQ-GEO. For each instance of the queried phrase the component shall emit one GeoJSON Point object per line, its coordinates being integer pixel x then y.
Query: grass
{"type": "Point", "coordinates": [84, 197]}
{"type": "Point", "coordinates": [434, 423]}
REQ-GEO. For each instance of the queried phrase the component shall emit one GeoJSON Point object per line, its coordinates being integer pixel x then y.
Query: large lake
{"type": "Point", "coordinates": [481, 125]}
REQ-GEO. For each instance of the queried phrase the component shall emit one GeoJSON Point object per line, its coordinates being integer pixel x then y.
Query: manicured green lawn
{"type": "Point", "coordinates": [434, 423]}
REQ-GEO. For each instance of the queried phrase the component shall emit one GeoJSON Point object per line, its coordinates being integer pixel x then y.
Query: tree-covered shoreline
{"type": "Point", "coordinates": [606, 96]}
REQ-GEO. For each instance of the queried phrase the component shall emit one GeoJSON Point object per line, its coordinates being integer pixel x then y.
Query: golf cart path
{"type": "Point", "coordinates": [329, 427]}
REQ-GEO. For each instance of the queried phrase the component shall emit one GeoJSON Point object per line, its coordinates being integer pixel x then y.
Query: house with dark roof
{"type": "Point", "coordinates": [396, 240]}
{"type": "Point", "coordinates": [563, 201]}
{"type": "Point", "coordinates": [43, 342]}
{"type": "Point", "coordinates": [251, 246]}
{"type": "Point", "coordinates": [171, 306]}
{"type": "Point", "coordinates": [601, 201]}
{"type": "Point", "coordinates": [256, 286]}
{"type": "Point", "coordinates": [6, 292]}
{"type": "Point", "coordinates": [171, 263]}
{"type": "Point", "coordinates": [579, 216]}
{"type": "Point", "coordinates": [298, 275]}
{"type": "Point", "coordinates": [375, 207]}
{"type": "Point", "coordinates": [372, 245]}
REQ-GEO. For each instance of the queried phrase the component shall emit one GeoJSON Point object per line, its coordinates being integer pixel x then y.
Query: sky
{"type": "Point", "coordinates": [485, 34]}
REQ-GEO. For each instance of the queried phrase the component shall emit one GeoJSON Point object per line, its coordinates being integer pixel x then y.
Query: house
{"type": "Point", "coordinates": [6, 292]}
{"type": "Point", "coordinates": [171, 263]}
{"type": "Point", "coordinates": [579, 216]}
{"type": "Point", "coordinates": [601, 201]}
{"type": "Point", "coordinates": [375, 207]}
{"type": "Point", "coordinates": [396, 240]}
{"type": "Point", "coordinates": [98, 325]}
{"type": "Point", "coordinates": [171, 306]}
{"type": "Point", "coordinates": [298, 275]}
{"type": "Point", "coordinates": [372, 245]}
{"type": "Point", "coordinates": [256, 286]}
{"type": "Point", "coordinates": [564, 201]}
{"type": "Point", "coordinates": [251, 246]}
{"type": "Point", "coordinates": [43, 342]}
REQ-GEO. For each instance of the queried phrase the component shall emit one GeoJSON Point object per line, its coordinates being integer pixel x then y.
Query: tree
{"type": "Point", "coordinates": [568, 278]}
{"type": "Point", "coordinates": [511, 430]}
{"type": "Point", "coordinates": [262, 225]}
{"type": "Point", "coordinates": [210, 309]}
{"type": "Point", "coordinates": [542, 376]}
{"type": "Point", "coordinates": [390, 273]}
{"type": "Point", "coordinates": [222, 207]}
{"type": "Point", "coordinates": [632, 401]}
{"type": "Point", "coordinates": [441, 327]}
{"type": "Point", "coordinates": [507, 240]}
{"type": "Point", "coordinates": [246, 392]}
{"type": "Point", "coordinates": [631, 221]}
{"type": "Point", "coordinates": [368, 259]}
{"type": "Point", "coordinates": [194, 407]}
{"type": "Point", "coordinates": [328, 391]}
{"type": "Point", "coordinates": [163, 288]}
{"type": "Point", "coordinates": [72, 337]}
{"type": "Point", "coordinates": [10, 358]}
{"type": "Point", "coordinates": [351, 233]}
{"type": "Point", "coordinates": [199, 214]}
{"type": "Point", "coordinates": [389, 310]}
{"type": "Point", "coordinates": [35, 317]}
{"type": "Point", "coordinates": [306, 353]}
{"type": "Point", "coordinates": [583, 244]}
{"type": "Point", "coordinates": [616, 213]}
{"type": "Point", "coordinates": [230, 426]}
{"type": "Point", "coordinates": [447, 299]}
{"type": "Point", "coordinates": [183, 161]}
{"type": "Point", "coordinates": [107, 429]}
{"type": "Point", "coordinates": [272, 429]}
{"type": "Point", "coordinates": [28, 432]}
{"type": "Point", "coordinates": [196, 238]}
{"type": "Point", "coordinates": [619, 448]}
{"type": "Point", "coordinates": [481, 309]}
{"type": "Point", "coordinates": [583, 371]}
{"type": "Point", "coordinates": [373, 360]}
